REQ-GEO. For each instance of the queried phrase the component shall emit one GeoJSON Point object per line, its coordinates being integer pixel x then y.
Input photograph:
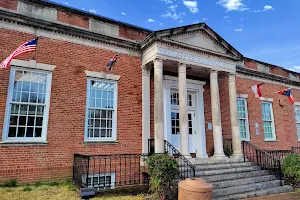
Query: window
{"type": "Point", "coordinates": [27, 105]}
{"type": "Point", "coordinates": [268, 121]}
{"type": "Point", "coordinates": [175, 99]}
{"type": "Point", "coordinates": [101, 110]}
{"type": "Point", "coordinates": [175, 123]}
{"type": "Point", "coordinates": [243, 118]}
{"type": "Point", "coordinates": [297, 116]}
{"type": "Point", "coordinates": [100, 181]}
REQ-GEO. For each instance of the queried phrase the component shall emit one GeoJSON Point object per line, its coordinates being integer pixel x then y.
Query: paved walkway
{"type": "Point", "coordinates": [287, 196]}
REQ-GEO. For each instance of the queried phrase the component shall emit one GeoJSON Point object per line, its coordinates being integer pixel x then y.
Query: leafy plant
{"type": "Point", "coordinates": [27, 189]}
{"type": "Point", "coordinates": [37, 183]}
{"type": "Point", "coordinates": [291, 169]}
{"type": "Point", "coordinates": [227, 151]}
{"type": "Point", "coordinates": [11, 183]}
{"type": "Point", "coordinates": [162, 170]}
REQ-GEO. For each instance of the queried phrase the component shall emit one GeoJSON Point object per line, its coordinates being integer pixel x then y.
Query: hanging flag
{"type": "Point", "coordinates": [113, 61]}
{"type": "Point", "coordinates": [256, 89]}
{"type": "Point", "coordinates": [288, 93]}
{"type": "Point", "coordinates": [24, 48]}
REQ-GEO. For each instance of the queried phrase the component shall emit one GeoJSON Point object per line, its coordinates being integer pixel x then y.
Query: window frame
{"type": "Point", "coordinates": [114, 113]}
{"type": "Point", "coordinates": [297, 105]}
{"type": "Point", "coordinates": [272, 123]}
{"type": "Point", "coordinates": [247, 119]}
{"type": "Point", "coordinates": [41, 139]}
{"type": "Point", "coordinates": [112, 178]}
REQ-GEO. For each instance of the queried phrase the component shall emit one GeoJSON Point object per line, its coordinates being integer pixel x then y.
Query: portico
{"type": "Point", "coordinates": [194, 56]}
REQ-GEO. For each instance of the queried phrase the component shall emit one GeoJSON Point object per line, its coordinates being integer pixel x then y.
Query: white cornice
{"type": "Point", "coordinates": [102, 75]}
{"type": "Point", "coordinates": [32, 64]}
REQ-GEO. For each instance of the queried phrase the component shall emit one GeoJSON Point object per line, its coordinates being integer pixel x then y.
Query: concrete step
{"type": "Point", "coordinates": [225, 177]}
{"type": "Point", "coordinates": [242, 181]}
{"type": "Point", "coordinates": [227, 171]}
{"type": "Point", "coordinates": [257, 193]}
{"type": "Point", "coordinates": [224, 192]}
{"type": "Point", "coordinates": [212, 161]}
{"type": "Point", "coordinates": [223, 166]}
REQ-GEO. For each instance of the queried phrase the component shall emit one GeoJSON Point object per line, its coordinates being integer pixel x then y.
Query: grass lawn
{"type": "Point", "coordinates": [54, 192]}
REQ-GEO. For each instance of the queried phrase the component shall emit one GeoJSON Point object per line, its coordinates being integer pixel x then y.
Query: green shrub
{"type": "Point", "coordinates": [291, 169]}
{"type": "Point", "coordinates": [227, 151]}
{"type": "Point", "coordinates": [162, 170]}
{"type": "Point", "coordinates": [27, 189]}
{"type": "Point", "coordinates": [52, 184]}
{"type": "Point", "coordinates": [37, 183]}
{"type": "Point", "coordinates": [11, 183]}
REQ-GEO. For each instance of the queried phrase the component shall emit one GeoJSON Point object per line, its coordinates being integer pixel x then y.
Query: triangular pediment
{"type": "Point", "coordinates": [196, 36]}
{"type": "Point", "coordinates": [199, 40]}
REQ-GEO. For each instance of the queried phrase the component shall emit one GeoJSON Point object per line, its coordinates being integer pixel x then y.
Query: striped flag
{"type": "Point", "coordinates": [24, 48]}
{"type": "Point", "coordinates": [287, 92]}
{"type": "Point", "coordinates": [112, 61]}
{"type": "Point", "coordinates": [256, 89]}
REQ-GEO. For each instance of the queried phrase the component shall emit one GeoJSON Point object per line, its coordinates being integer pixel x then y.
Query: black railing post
{"type": "Point", "coordinates": [280, 173]}
{"type": "Point", "coordinates": [243, 142]}
{"type": "Point", "coordinates": [87, 171]}
{"type": "Point", "coordinates": [74, 166]}
{"type": "Point", "coordinates": [257, 157]}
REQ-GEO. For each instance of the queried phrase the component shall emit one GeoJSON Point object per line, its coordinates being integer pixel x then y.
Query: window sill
{"type": "Point", "coordinates": [17, 143]}
{"type": "Point", "coordinates": [99, 142]}
{"type": "Point", "coordinates": [270, 140]}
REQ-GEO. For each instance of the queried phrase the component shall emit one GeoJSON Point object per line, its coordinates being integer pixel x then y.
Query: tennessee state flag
{"type": "Point", "coordinates": [288, 93]}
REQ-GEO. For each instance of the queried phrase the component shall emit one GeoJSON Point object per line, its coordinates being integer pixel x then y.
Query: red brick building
{"type": "Point", "coordinates": [62, 99]}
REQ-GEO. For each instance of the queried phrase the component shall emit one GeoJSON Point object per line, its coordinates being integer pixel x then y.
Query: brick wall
{"type": "Point", "coordinates": [284, 118]}
{"type": "Point", "coordinates": [73, 19]}
{"type": "Point", "coordinates": [250, 64]}
{"type": "Point", "coordinates": [67, 108]}
{"type": "Point", "coordinates": [131, 34]}
{"type": "Point", "coordinates": [9, 4]}
{"type": "Point", "coordinates": [208, 118]}
{"type": "Point", "coordinates": [280, 72]}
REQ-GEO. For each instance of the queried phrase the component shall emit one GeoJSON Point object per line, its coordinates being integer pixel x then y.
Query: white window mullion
{"type": "Point", "coordinates": [243, 119]}
{"type": "Point", "coordinates": [268, 121]}
{"type": "Point", "coordinates": [297, 119]}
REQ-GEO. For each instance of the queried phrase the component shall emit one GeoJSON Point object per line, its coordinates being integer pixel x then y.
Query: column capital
{"type": "Point", "coordinates": [145, 70]}
{"type": "Point", "coordinates": [231, 77]}
{"type": "Point", "coordinates": [181, 68]}
{"type": "Point", "coordinates": [214, 74]}
{"type": "Point", "coordinates": [157, 62]}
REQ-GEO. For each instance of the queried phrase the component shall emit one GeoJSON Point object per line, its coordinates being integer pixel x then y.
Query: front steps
{"type": "Point", "coordinates": [233, 179]}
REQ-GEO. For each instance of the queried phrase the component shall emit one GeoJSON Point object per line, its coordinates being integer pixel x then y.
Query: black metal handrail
{"type": "Point", "coordinates": [279, 154]}
{"type": "Point", "coordinates": [185, 168]}
{"type": "Point", "coordinates": [263, 159]}
{"type": "Point", "coordinates": [109, 171]}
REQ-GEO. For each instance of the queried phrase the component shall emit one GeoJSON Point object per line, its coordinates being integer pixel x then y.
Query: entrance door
{"type": "Point", "coordinates": [175, 137]}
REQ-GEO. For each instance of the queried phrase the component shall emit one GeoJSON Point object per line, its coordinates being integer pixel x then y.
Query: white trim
{"type": "Point", "coordinates": [114, 122]}
{"type": "Point", "coordinates": [32, 64]}
{"type": "Point", "coordinates": [102, 75]}
{"type": "Point", "coordinates": [297, 103]}
{"type": "Point", "coordinates": [266, 99]}
{"type": "Point", "coordinates": [247, 119]}
{"type": "Point", "coordinates": [273, 123]}
{"type": "Point", "coordinates": [43, 138]}
{"type": "Point", "coordinates": [188, 81]}
{"type": "Point", "coordinates": [244, 96]}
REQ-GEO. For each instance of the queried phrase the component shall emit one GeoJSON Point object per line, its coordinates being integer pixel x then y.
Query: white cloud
{"type": "Point", "coordinates": [173, 15]}
{"type": "Point", "coordinates": [181, 21]}
{"type": "Point", "coordinates": [268, 7]}
{"type": "Point", "coordinates": [167, 1]}
{"type": "Point", "coordinates": [173, 7]}
{"type": "Point", "coordinates": [82, 8]}
{"type": "Point", "coordinates": [191, 5]}
{"type": "Point", "coordinates": [196, 22]}
{"type": "Point", "coordinates": [295, 69]}
{"type": "Point", "coordinates": [93, 11]}
{"type": "Point", "coordinates": [226, 17]}
{"type": "Point", "coordinates": [238, 30]}
{"type": "Point", "coordinates": [204, 19]}
{"type": "Point", "coordinates": [66, 3]}
{"type": "Point", "coordinates": [150, 20]}
{"type": "Point", "coordinates": [123, 13]}
{"type": "Point", "coordinates": [233, 5]}
{"type": "Point", "coordinates": [161, 24]}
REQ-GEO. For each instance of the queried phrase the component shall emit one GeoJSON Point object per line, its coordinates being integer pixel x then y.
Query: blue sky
{"type": "Point", "coordinates": [266, 30]}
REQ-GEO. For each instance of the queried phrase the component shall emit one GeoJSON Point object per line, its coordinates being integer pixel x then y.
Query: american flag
{"type": "Point", "coordinates": [24, 48]}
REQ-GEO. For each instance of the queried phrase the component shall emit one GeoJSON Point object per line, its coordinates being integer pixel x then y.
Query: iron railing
{"type": "Point", "coordinates": [279, 154]}
{"type": "Point", "coordinates": [263, 159]}
{"type": "Point", "coordinates": [185, 168]}
{"type": "Point", "coordinates": [296, 150]}
{"type": "Point", "coordinates": [109, 171]}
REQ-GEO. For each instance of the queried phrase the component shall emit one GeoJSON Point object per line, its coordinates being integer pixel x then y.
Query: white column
{"type": "Point", "coordinates": [216, 115]}
{"type": "Point", "coordinates": [145, 108]}
{"type": "Point", "coordinates": [158, 106]}
{"type": "Point", "coordinates": [236, 140]}
{"type": "Point", "coordinates": [183, 111]}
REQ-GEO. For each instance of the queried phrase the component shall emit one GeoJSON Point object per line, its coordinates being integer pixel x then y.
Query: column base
{"type": "Point", "coordinates": [237, 156]}
{"type": "Point", "coordinates": [219, 157]}
{"type": "Point", "coordinates": [201, 155]}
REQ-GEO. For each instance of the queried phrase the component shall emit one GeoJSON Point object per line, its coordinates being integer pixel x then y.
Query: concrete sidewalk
{"type": "Point", "coordinates": [287, 196]}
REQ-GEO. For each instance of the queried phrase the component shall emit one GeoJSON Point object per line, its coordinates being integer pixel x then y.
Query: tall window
{"type": "Point", "coordinates": [297, 116]}
{"type": "Point", "coordinates": [28, 105]}
{"type": "Point", "coordinates": [268, 121]}
{"type": "Point", "coordinates": [101, 110]}
{"type": "Point", "coordinates": [243, 118]}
